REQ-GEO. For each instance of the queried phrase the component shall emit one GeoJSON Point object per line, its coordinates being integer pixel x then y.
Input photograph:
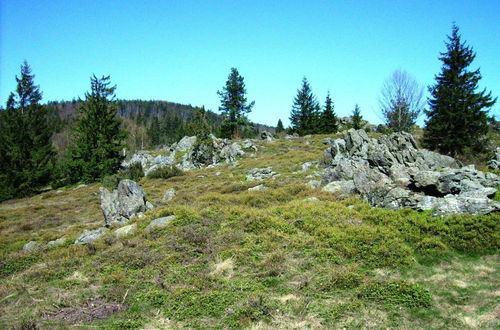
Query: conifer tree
{"type": "Point", "coordinates": [26, 152]}
{"type": "Point", "coordinates": [328, 122]}
{"type": "Point", "coordinates": [304, 114]}
{"type": "Point", "coordinates": [356, 117]}
{"type": "Point", "coordinates": [155, 131]}
{"type": "Point", "coordinates": [279, 127]}
{"type": "Point", "coordinates": [458, 115]}
{"type": "Point", "coordinates": [97, 134]}
{"type": "Point", "coordinates": [234, 107]}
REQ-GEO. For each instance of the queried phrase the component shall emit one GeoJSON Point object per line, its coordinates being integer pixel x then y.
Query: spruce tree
{"type": "Point", "coordinates": [155, 132]}
{"type": "Point", "coordinates": [26, 152]}
{"type": "Point", "coordinates": [279, 127]}
{"type": "Point", "coordinates": [457, 119]}
{"type": "Point", "coordinates": [234, 107]}
{"type": "Point", "coordinates": [356, 117]}
{"type": "Point", "coordinates": [97, 135]}
{"type": "Point", "coordinates": [304, 114]}
{"type": "Point", "coordinates": [328, 123]}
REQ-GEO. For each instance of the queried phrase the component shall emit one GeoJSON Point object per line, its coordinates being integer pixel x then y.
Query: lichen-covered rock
{"type": "Point", "coordinates": [123, 203]}
{"type": "Point", "coordinates": [494, 163]}
{"type": "Point", "coordinates": [258, 174]}
{"type": "Point", "coordinates": [126, 231]}
{"type": "Point", "coordinates": [160, 222]}
{"type": "Point", "coordinates": [89, 236]}
{"type": "Point", "coordinates": [169, 195]}
{"type": "Point", "coordinates": [31, 246]}
{"type": "Point", "coordinates": [266, 136]}
{"type": "Point", "coordinates": [258, 188]}
{"type": "Point", "coordinates": [59, 241]}
{"type": "Point", "coordinates": [391, 172]}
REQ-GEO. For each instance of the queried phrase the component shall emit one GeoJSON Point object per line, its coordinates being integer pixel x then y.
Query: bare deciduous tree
{"type": "Point", "coordinates": [401, 101]}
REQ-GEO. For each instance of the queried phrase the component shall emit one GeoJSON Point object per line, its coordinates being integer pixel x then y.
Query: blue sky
{"type": "Point", "coordinates": [182, 51]}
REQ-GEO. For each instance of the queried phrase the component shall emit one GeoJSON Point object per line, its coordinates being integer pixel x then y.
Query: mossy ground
{"type": "Point", "coordinates": [234, 258]}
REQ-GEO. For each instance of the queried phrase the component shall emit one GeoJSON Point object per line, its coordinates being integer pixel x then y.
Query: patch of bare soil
{"type": "Point", "coordinates": [94, 309]}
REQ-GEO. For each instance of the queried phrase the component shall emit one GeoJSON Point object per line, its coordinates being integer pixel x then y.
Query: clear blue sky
{"type": "Point", "coordinates": [182, 51]}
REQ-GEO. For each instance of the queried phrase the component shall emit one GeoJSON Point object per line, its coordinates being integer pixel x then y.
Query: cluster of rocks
{"type": "Point", "coordinates": [258, 174]}
{"type": "Point", "coordinates": [190, 153]}
{"type": "Point", "coordinates": [391, 172]}
{"type": "Point", "coordinates": [494, 163]}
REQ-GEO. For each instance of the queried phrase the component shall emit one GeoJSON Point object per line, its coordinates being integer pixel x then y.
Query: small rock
{"type": "Point", "coordinates": [31, 246]}
{"type": "Point", "coordinates": [201, 176]}
{"type": "Point", "coordinates": [344, 186]}
{"type": "Point", "coordinates": [169, 195]}
{"type": "Point", "coordinates": [258, 188]}
{"type": "Point", "coordinates": [160, 222]}
{"type": "Point", "coordinates": [218, 173]}
{"type": "Point", "coordinates": [89, 236]}
{"type": "Point", "coordinates": [79, 186]}
{"type": "Point", "coordinates": [126, 230]}
{"type": "Point", "coordinates": [314, 184]}
{"type": "Point", "coordinates": [149, 206]}
{"type": "Point", "coordinates": [59, 191]}
{"type": "Point", "coordinates": [59, 241]}
{"type": "Point", "coordinates": [266, 136]}
{"type": "Point", "coordinates": [312, 199]}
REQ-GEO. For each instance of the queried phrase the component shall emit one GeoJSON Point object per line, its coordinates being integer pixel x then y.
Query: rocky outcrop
{"type": "Point", "coordinates": [123, 203]}
{"type": "Point", "coordinates": [169, 195]}
{"type": "Point", "coordinates": [392, 172]}
{"type": "Point", "coordinates": [494, 163]}
{"type": "Point", "coordinates": [266, 136]}
{"type": "Point", "coordinates": [190, 153]}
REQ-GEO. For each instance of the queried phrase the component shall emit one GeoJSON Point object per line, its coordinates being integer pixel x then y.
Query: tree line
{"type": "Point", "coordinates": [457, 122]}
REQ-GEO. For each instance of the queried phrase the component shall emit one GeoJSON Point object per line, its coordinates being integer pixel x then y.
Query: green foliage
{"type": "Point", "coordinates": [97, 135]}
{"type": "Point", "coordinates": [134, 172]}
{"type": "Point", "coordinates": [26, 152]}
{"type": "Point", "coordinates": [399, 293]}
{"type": "Point", "coordinates": [305, 111]}
{"type": "Point", "coordinates": [165, 172]}
{"type": "Point", "coordinates": [457, 118]}
{"type": "Point", "coordinates": [200, 126]}
{"type": "Point", "coordinates": [279, 127]}
{"type": "Point", "coordinates": [328, 119]}
{"type": "Point", "coordinates": [234, 107]}
{"type": "Point", "coordinates": [356, 117]}
{"type": "Point", "coordinates": [155, 132]}
{"type": "Point", "coordinates": [402, 100]}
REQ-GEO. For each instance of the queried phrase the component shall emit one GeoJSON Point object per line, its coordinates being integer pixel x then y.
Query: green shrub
{"type": "Point", "coordinates": [431, 246]}
{"type": "Point", "coordinates": [133, 172]}
{"type": "Point", "coordinates": [165, 173]}
{"type": "Point", "coordinates": [397, 293]}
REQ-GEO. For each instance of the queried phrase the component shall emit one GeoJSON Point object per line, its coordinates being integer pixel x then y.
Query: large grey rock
{"type": "Point", "coordinates": [391, 172]}
{"type": "Point", "coordinates": [31, 246]}
{"type": "Point", "coordinates": [123, 203]}
{"type": "Point", "coordinates": [186, 143]}
{"type": "Point", "coordinates": [258, 174]}
{"type": "Point", "coordinates": [149, 162]}
{"type": "Point", "coordinates": [159, 223]}
{"type": "Point", "coordinates": [266, 136]}
{"type": "Point", "coordinates": [126, 231]}
{"type": "Point", "coordinates": [89, 236]}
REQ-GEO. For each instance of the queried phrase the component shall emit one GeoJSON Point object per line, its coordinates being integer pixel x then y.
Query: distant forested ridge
{"type": "Point", "coordinates": [149, 123]}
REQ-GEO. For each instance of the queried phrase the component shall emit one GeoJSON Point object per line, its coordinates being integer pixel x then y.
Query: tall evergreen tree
{"type": "Point", "coordinates": [457, 119]}
{"type": "Point", "coordinates": [356, 117]}
{"type": "Point", "coordinates": [328, 122]}
{"type": "Point", "coordinates": [234, 107]}
{"type": "Point", "coordinates": [26, 152]}
{"type": "Point", "coordinates": [279, 127]}
{"type": "Point", "coordinates": [155, 131]}
{"type": "Point", "coordinates": [304, 114]}
{"type": "Point", "coordinates": [97, 134]}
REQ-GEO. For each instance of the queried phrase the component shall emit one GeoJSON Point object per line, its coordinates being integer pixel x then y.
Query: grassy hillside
{"type": "Point", "coordinates": [234, 258]}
